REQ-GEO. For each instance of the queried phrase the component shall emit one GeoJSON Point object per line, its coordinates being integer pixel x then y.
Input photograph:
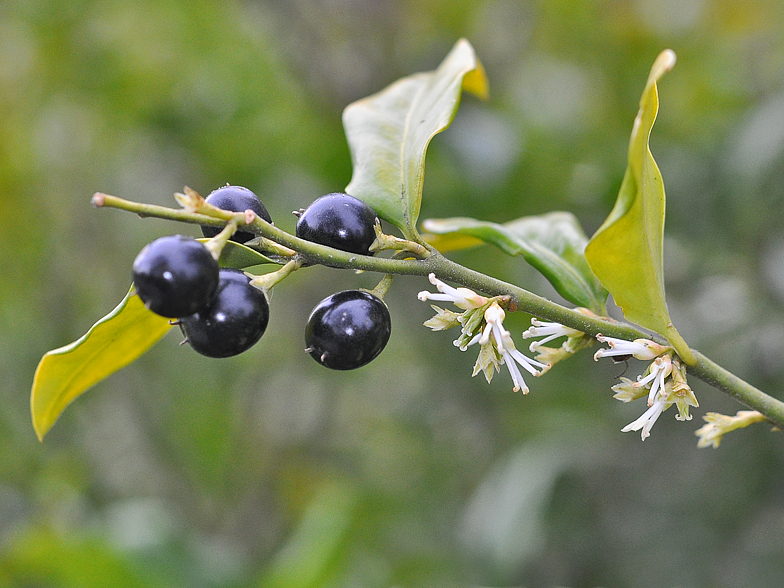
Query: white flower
{"type": "Point", "coordinates": [460, 297]}
{"type": "Point", "coordinates": [659, 370]}
{"type": "Point", "coordinates": [495, 341]}
{"type": "Point", "coordinates": [647, 420]}
{"type": "Point", "coordinates": [494, 332]}
{"type": "Point", "coordinates": [639, 348]}
{"type": "Point", "coordinates": [665, 380]}
{"type": "Point", "coordinates": [549, 331]}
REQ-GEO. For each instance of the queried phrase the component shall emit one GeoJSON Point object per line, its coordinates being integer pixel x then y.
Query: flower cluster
{"type": "Point", "coordinates": [663, 382]}
{"type": "Point", "coordinates": [481, 323]}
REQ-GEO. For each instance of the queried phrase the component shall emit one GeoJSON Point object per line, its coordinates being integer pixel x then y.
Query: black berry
{"type": "Point", "coordinates": [234, 321]}
{"type": "Point", "coordinates": [175, 276]}
{"type": "Point", "coordinates": [340, 221]}
{"type": "Point", "coordinates": [236, 199]}
{"type": "Point", "coordinates": [348, 330]}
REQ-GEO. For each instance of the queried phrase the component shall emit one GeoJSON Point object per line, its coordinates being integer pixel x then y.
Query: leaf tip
{"type": "Point", "coordinates": [475, 80]}
{"type": "Point", "coordinates": [39, 434]}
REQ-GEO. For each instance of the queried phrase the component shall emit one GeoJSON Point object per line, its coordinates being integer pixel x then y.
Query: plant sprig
{"type": "Point", "coordinates": [388, 135]}
{"type": "Point", "coordinates": [448, 270]}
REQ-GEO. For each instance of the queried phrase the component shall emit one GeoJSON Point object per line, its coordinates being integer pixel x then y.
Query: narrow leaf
{"type": "Point", "coordinates": [552, 243]}
{"type": "Point", "coordinates": [113, 342]}
{"type": "Point", "coordinates": [389, 132]}
{"type": "Point", "coordinates": [626, 251]}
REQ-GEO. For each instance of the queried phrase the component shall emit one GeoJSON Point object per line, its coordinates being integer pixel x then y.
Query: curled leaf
{"type": "Point", "coordinates": [625, 253]}
{"type": "Point", "coordinates": [389, 132]}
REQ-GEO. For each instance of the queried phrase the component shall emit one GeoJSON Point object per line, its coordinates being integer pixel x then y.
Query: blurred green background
{"type": "Point", "coordinates": [265, 469]}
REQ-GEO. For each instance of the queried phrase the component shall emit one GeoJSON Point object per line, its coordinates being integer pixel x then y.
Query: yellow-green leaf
{"type": "Point", "coordinates": [113, 342]}
{"type": "Point", "coordinates": [625, 253]}
{"type": "Point", "coordinates": [552, 243]}
{"type": "Point", "coordinates": [447, 242]}
{"type": "Point", "coordinates": [389, 132]}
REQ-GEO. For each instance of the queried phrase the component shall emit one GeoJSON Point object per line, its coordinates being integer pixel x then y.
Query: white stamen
{"type": "Point", "coordinates": [526, 362]}
{"type": "Point", "coordinates": [517, 377]}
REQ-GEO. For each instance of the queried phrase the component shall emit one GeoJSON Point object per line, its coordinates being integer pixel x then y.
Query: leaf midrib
{"type": "Point", "coordinates": [404, 150]}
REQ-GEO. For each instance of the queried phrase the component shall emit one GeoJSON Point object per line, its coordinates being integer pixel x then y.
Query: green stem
{"type": "Point", "coordinates": [218, 242]}
{"type": "Point", "coordinates": [385, 242]}
{"type": "Point", "coordinates": [711, 373]}
{"type": "Point", "coordinates": [447, 270]}
{"type": "Point", "coordinates": [100, 200]}
{"type": "Point", "coordinates": [382, 287]}
{"type": "Point", "coordinates": [267, 282]}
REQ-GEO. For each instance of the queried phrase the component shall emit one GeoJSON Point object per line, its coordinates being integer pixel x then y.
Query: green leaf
{"type": "Point", "coordinates": [240, 256]}
{"type": "Point", "coordinates": [389, 132]}
{"type": "Point", "coordinates": [113, 342]}
{"type": "Point", "coordinates": [552, 243]}
{"type": "Point", "coordinates": [626, 251]}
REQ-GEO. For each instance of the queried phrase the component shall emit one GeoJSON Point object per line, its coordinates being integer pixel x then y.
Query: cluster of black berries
{"type": "Point", "coordinates": [218, 310]}
{"type": "Point", "coordinates": [221, 314]}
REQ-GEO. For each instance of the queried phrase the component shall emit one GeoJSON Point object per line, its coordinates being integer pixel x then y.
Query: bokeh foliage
{"type": "Point", "coordinates": [264, 470]}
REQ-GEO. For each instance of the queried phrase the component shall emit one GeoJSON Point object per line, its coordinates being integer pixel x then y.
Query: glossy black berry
{"type": "Point", "coordinates": [340, 221]}
{"type": "Point", "coordinates": [236, 199]}
{"type": "Point", "coordinates": [175, 276]}
{"type": "Point", "coordinates": [348, 330]}
{"type": "Point", "coordinates": [234, 321]}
